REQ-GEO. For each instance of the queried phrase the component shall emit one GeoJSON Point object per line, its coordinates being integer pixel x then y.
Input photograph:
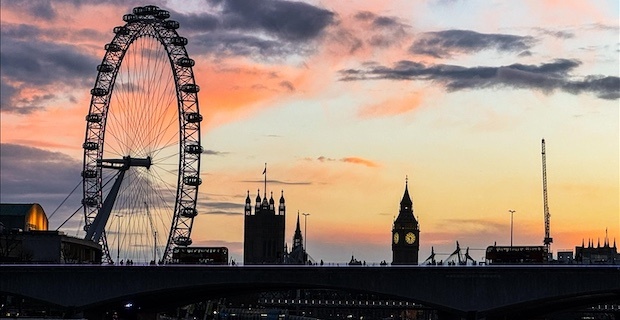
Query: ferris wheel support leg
{"type": "Point", "coordinates": [96, 228]}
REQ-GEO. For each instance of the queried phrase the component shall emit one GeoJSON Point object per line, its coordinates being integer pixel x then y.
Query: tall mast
{"type": "Point", "coordinates": [548, 240]}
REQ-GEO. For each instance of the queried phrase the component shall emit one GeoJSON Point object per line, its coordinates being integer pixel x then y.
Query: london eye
{"type": "Point", "coordinates": [141, 165]}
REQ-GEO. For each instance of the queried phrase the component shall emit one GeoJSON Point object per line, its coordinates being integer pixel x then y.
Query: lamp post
{"type": "Point", "coordinates": [118, 232]}
{"type": "Point", "coordinates": [511, 213]}
{"type": "Point", "coordinates": [305, 230]}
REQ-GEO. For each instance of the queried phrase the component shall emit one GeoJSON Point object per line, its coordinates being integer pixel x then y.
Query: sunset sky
{"type": "Point", "coordinates": [343, 100]}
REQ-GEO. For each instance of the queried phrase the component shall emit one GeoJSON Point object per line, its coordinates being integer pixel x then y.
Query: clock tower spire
{"type": "Point", "coordinates": [405, 232]}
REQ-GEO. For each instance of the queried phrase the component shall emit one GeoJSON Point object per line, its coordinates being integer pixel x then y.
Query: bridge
{"type": "Point", "coordinates": [470, 292]}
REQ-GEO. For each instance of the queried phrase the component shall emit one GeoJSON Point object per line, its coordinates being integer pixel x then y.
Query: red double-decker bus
{"type": "Point", "coordinates": [515, 254]}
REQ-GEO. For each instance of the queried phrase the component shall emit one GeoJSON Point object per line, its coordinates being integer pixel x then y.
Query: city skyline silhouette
{"type": "Point", "coordinates": [455, 96]}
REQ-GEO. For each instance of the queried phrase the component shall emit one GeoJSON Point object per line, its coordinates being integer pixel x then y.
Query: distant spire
{"type": "Point", "coordinates": [582, 243]}
{"type": "Point", "coordinates": [297, 238]}
{"type": "Point", "coordinates": [406, 201]}
{"type": "Point", "coordinates": [265, 174]}
{"type": "Point", "coordinates": [282, 197]}
{"type": "Point", "coordinates": [606, 238]}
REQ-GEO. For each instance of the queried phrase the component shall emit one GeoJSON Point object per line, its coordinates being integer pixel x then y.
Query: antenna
{"type": "Point", "coordinates": [548, 240]}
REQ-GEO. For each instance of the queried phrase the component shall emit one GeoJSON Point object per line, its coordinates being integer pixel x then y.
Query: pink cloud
{"type": "Point", "coordinates": [361, 161]}
{"type": "Point", "coordinates": [392, 106]}
{"type": "Point", "coordinates": [353, 160]}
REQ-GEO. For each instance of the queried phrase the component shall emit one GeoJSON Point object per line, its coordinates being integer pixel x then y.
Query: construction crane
{"type": "Point", "coordinates": [548, 240]}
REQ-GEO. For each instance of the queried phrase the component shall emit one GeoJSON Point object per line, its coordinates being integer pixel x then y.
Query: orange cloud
{"type": "Point", "coordinates": [354, 160]}
{"type": "Point", "coordinates": [361, 161]}
{"type": "Point", "coordinates": [230, 93]}
{"type": "Point", "coordinates": [392, 106]}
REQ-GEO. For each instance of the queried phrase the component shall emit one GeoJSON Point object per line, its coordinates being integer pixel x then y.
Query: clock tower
{"type": "Point", "coordinates": [405, 233]}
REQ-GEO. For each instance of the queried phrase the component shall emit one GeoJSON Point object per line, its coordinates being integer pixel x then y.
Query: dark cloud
{"type": "Point", "coordinates": [546, 77]}
{"type": "Point", "coordinates": [214, 153]}
{"type": "Point", "coordinates": [46, 9]}
{"type": "Point", "coordinates": [269, 29]}
{"type": "Point", "coordinates": [324, 159]}
{"type": "Point", "coordinates": [561, 34]}
{"type": "Point", "coordinates": [443, 44]}
{"type": "Point", "coordinates": [29, 32]}
{"type": "Point", "coordinates": [385, 22]}
{"type": "Point", "coordinates": [226, 208]}
{"type": "Point", "coordinates": [225, 43]}
{"type": "Point", "coordinates": [377, 20]}
{"type": "Point", "coordinates": [287, 20]}
{"type": "Point", "coordinates": [25, 63]}
{"type": "Point", "coordinates": [39, 9]}
{"type": "Point", "coordinates": [287, 85]}
{"type": "Point", "coordinates": [381, 31]}
{"type": "Point", "coordinates": [50, 62]}
{"type": "Point", "coordinates": [197, 22]}
{"type": "Point", "coordinates": [365, 15]}
{"type": "Point", "coordinates": [33, 175]}
{"type": "Point", "coordinates": [606, 27]}
{"type": "Point", "coordinates": [348, 39]}
{"type": "Point", "coordinates": [7, 92]}
{"type": "Point", "coordinates": [279, 182]}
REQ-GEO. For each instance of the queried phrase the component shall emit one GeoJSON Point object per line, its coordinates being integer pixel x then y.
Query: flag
{"type": "Point", "coordinates": [265, 171]}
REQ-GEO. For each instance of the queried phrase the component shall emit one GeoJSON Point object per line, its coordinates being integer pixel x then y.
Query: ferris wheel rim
{"type": "Point", "coordinates": [149, 21]}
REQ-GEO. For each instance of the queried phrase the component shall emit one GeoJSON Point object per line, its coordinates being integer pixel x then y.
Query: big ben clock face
{"type": "Point", "coordinates": [396, 238]}
{"type": "Point", "coordinates": [410, 238]}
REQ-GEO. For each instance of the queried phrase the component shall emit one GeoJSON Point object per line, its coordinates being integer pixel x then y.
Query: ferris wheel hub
{"type": "Point", "coordinates": [125, 163]}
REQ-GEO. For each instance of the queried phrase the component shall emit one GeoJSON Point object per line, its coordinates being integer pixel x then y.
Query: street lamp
{"type": "Point", "coordinates": [511, 213]}
{"type": "Point", "coordinates": [305, 230]}
{"type": "Point", "coordinates": [118, 237]}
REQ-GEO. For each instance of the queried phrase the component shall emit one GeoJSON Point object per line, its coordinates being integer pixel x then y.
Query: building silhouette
{"type": "Point", "coordinates": [298, 254]}
{"type": "Point", "coordinates": [25, 238]}
{"type": "Point", "coordinates": [405, 233]}
{"type": "Point", "coordinates": [263, 241]}
{"type": "Point", "coordinates": [605, 254]}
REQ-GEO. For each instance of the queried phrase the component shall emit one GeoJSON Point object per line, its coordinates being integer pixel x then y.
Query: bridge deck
{"type": "Point", "coordinates": [483, 290]}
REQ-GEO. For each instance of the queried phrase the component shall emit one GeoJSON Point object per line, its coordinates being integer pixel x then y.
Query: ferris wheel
{"type": "Point", "coordinates": [141, 168]}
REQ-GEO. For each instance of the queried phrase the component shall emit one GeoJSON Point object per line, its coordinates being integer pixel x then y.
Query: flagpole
{"type": "Point", "coordinates": [265, 173]}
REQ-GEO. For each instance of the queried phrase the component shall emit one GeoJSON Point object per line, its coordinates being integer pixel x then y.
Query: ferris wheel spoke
{"type": "Point", "coordinates": [162, 161]}
{"type": "Point", "coordinates": [160, 130]}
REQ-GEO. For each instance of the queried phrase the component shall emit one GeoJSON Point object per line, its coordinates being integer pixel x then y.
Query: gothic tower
{"type": "Point", "coordinates": [297, 237]}
{"type": "Point", "coordinates": [263, 241]}
{"type": "Point", "coordinates": [405, 233]}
